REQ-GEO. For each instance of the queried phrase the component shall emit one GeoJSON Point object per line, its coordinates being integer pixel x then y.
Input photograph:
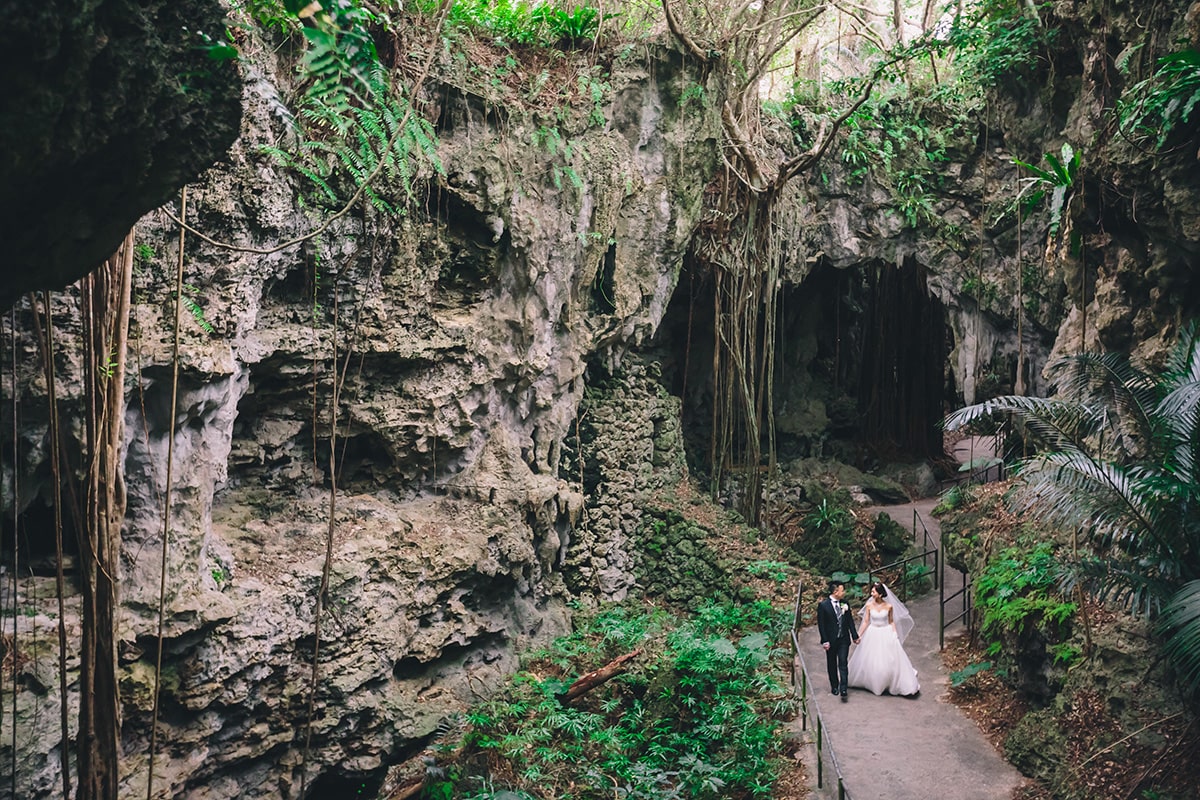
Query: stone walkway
{"type": "Point", "coordinates": [901, 748]}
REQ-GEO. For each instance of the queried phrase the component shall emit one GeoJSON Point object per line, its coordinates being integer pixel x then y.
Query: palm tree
{"type": "Point", "coordinates": [1118, 458]}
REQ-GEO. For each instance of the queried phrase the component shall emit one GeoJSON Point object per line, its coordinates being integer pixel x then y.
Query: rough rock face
{"type": "Point", "coordinates": [107, 109]}
{"type": "Point", "coordinates": [627, 447]}
{"type": "Point", "coordinates": [462, 333]}
{"type": "Point", "coordinates": [462, 336]}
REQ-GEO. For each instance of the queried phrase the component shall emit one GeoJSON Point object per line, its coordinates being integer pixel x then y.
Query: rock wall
{"type": "Point", "coordinates": [107, 109]}
{"type": "Point", "coordinates": [627, 447]}
{"type": "Point", "coordinates": [478, 341]}
{"type": "Point", "coordinates": [460, 333]}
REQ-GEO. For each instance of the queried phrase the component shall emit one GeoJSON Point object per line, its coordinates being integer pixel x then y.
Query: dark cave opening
{"type": "Point", "coordinates": [860, 365]}
{"type": "Point", "coordinates": [341, 785]}
{"type": "Point", "coordinates": [36, 548]}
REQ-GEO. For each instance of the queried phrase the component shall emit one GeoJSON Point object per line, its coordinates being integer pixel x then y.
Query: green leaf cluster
{"type": "Point", "coordinates": [695, 717]}
{"type": "Point", "coordinates": [519, 22]}
{"type": "Point", "coordinates": [1159, 106]}
{"type": "Point", "coordinates": [1018, 590]}
{"type": "Point", "coordinates": [355, 128]}
{"type": "Point", "coordinates": [997, 41]}
{"type": "Point", "coordinates": [1057, 181]}
{"type": "Point", "coordinates": [902, 139]}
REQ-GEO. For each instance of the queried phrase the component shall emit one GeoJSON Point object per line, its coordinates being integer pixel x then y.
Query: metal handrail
{"type": "Point", "coordinates": [923, 557]}
{"type": "Point", "coordinates": [800, 675]}
{"type": "Point", "coordinates": [967, 614]}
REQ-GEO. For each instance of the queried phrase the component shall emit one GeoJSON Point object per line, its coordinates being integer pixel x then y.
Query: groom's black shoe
{"type": "Point", "coordinates": [834, 690]}
{"type": "Point", "coordinates": [844, 698]}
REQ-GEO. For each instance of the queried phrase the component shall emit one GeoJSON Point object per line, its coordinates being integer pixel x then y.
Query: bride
{"type": "Point", "coordinates": [879, 663]}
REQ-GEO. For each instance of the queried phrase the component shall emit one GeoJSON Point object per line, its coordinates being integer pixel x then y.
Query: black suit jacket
{"type": "Point", "coordinates": [829, 626]}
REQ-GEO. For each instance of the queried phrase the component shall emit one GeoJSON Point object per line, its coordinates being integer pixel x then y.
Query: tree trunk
{"type": "Point", "coordinates": [105, 314]}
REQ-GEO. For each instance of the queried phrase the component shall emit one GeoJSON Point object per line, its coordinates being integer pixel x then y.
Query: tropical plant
{"type": "Point", "coordinates": [1159, 105]}
{"type": "Point", "coordinates": [694, 716]}
{"type": "Point", "coordinates": [997, 40]}
{"type": "Point", "coordinates": [1057, 181]}
{"type": "Point", "coordinates": [354, 125]}
{"type": "Point", "coordinates": [1016, 593]}
{"type": "Point", "coordinates": [1118, 460]}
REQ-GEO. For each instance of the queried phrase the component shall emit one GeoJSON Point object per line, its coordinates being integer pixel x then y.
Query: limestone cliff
{"type": "Point", "coordinates": [512, 361]}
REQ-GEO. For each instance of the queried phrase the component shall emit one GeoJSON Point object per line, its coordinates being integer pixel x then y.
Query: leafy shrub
{"type": "Point", "coordinates": [1024, 620]}
{"type": "Point", "coordinates": [694, 717]}
{"type": "Point", "coordinates": [998, 41]}
{"type": "Point", "coordinates": [891, 538]}
{"type": "Point", "coordinates": [1163, 103]}
{"type": "Point", "coordinates": [827, 543]}
{"type": "Point", "coordinates": [521, 22]}
{"type": "Point", "coordinates": [953, 499]}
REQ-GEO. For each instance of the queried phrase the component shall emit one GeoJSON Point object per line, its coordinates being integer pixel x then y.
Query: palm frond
{"type": "Point", "coordinates": [1111, 381]}
{"type": "Point", "coordinates": [1183, 363]}
{"type": "Point", "coordinates": [1181, 622]}
{"type": "Point", "coordinates": [1111, 580]}
{"type": "Point", "coordinates": [1050, 422]}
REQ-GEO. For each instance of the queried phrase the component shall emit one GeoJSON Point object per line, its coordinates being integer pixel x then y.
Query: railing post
{"type": "Point", "coordinates": [820, 757]}
{"type": "Point", "coordinates": [941, 607]}
{"type": "Point", "coordinates": [937, 559]}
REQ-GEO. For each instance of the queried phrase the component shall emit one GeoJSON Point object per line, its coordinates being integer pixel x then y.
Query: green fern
{"type": "Point", "coordinates": [354, 125]}
{"type": "Point", "coordinates": [1162, 104]}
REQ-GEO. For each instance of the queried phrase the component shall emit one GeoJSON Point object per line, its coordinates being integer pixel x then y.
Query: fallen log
{"type": "Point", "coordinates": [585, 683]}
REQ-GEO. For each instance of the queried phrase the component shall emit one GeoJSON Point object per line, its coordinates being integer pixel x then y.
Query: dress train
{"type": "Point", "coordinates": [879, 662]}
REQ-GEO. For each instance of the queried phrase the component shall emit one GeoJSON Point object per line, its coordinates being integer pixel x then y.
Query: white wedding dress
{"type": "Point", "coordinates": [879, 662]}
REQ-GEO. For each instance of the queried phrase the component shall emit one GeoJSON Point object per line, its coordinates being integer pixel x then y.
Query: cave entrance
{"type": "Point", "coordinates": [860, 365]}
{"type": "Point", "coordinates": [36, 541]}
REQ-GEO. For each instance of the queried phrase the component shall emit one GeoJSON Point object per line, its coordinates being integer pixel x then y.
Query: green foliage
{"type": "Point", "coordinates": [954, 498]}
{"type": "Point", "coordinates": [1118, 460]}
{"type": "Point", "coordinates": [961, 676]}
{"type": "Point", "coordinates": [827, 542]}
{"type": "Point", "coordinates": [775, 570]}
{"type": "Point", "coordinates": [693, 93]}
{"type": "Point", "coordinates": [143, 254]}
{"type": "Point", "coordinates": [1162, 104]}
{"type": "Point", "coordinates": [188, 301]}
{"type": "Point", "coordinates": [997, 41]}
{"type": "Point", "coordinates": [519, 22]}
{"type": "Point", "coordinates": [984, 291]}
{"type": "Point", "coordinates": [902, 139]}
{"type": "Point", "coordinates": [354, 125]}
{"type": "Point", "coordinates": [1017, 590]}
{"type": "Point", "coordinates": [1065, 653]}
{"type": "Point", "coordinates": [673, 561]}
{"type": "Point", "coordinates": [890, 536]}
{"type": "Point", "coordinates": [692, 718]}
{"type": "Point", "coordinates": [1057, 180]}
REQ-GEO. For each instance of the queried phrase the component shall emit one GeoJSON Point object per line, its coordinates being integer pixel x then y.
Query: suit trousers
{"type": "Point", "coordinates": [837, 659]}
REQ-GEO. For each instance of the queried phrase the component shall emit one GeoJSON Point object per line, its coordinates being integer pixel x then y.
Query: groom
{"type": "Point", "coordinates": [837, 628]}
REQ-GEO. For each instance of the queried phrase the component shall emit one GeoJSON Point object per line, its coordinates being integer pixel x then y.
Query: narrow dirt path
{"type": "Point", "coordinates": [903, 748]}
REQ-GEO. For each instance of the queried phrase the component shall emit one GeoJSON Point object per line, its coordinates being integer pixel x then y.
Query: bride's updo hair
{"type": "Point", "coordinates": [880, 589]}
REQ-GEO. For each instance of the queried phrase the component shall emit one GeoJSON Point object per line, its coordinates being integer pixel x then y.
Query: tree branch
{"type": "Point", "coordinates": [591, 680]}
{"type": "Point", "coordinates": [797, 164]}
{"type": "Point", "coordinates": [681, 35]}
{"type": "Point", "coordinates": [742, 144]}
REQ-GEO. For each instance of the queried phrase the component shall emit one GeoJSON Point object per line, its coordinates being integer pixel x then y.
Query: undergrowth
{"type": "Point", "coordinates": [695, 715]}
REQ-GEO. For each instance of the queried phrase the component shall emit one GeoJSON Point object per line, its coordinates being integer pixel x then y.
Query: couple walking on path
{"type": "Point", "coordinates": [902, 750]}
{"type": "Point", "coordinates": [879, 662]}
